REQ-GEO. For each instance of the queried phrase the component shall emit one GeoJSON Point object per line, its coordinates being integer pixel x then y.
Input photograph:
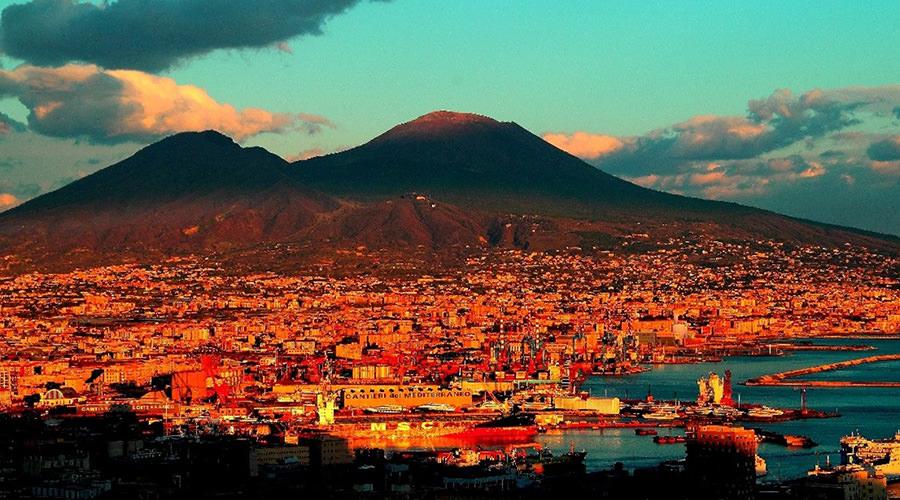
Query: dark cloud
{"type": "Point", "coordinates": [885, 150]}
{"type": "Point", "coordinates": [154, 35]}
{"type": "Point", "coordinates": [773, 123]}
{"type": "Point", "coordinates": [786, 145]}
{"type": "Point", "coordinates": [832, 153]}
{"type": "Point", "coordinates": [778, 121]}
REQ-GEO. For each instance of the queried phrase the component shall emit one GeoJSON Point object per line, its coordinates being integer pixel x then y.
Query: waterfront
{"type": "Point", "coordinates": [874, 412]}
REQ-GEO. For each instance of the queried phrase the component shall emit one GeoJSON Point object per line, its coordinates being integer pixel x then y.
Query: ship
{"type": "Point", "coordinates": [424, 427]}
{"type": "Point", "coordinates": [391, 409]}
{"type": "Point", "coordinates": [882, 454]}
{"type": "Point", "coordinates": [795, 441]}
{"type": "Point", "coordinates": [669, 439]}
{"type": "Point", "coordinates": [660, 415]}
{"type": "Point", "coordinates": [517, 424]}
{"type": "Point", "coordinates": [760, 465]}
{"type": "Point", "coordinates": [436, 407]}
{"type": "Point", "coordinates": [764, 412]}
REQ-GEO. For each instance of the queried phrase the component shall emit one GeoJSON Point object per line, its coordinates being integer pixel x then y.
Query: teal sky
{"type": "Point", "coordinates": [618, 68]}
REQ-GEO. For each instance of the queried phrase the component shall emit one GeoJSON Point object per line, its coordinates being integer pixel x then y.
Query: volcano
{"type": "Point", "coordinates": [484, 165]}
{"type": "Point", "coordinates": [443, 181]}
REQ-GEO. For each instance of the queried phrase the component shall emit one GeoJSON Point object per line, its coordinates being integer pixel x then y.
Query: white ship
{"type": "Point", "coordinates": [385, 409]}
{"type": "Point", "coordinates": [882, 454]}
{"type": "Point", "coordinates": [436, 407]}
{"type": "Point", "coordinates": [764, 412]}
{"type": "Point", "coordinates": [660, 415]}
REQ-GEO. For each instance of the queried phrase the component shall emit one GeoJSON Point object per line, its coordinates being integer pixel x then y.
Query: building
{"type": "Point", "coordinates": [845, 482]}
{"type": "Point", "coordinates": [721, 462]}
{"type": "Point", "coordinates": [407, 396]}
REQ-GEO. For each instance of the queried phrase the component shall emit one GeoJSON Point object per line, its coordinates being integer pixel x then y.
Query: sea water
{"type": "Point", "coordinates": [873, 412]}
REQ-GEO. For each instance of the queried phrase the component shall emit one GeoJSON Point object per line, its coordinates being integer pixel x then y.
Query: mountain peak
{"type": "Point", "coordinates": [438, 124]}
{"type": "Point", "coordinates": [444, 117]}
{"type": "Point", "coordinates": [211, 137]}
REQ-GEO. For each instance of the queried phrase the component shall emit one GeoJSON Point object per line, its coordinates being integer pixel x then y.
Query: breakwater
{"type": "Point", "coordinates": [788, 378]}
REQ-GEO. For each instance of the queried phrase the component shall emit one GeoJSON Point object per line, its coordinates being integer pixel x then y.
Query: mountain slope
{"type": "Point", "coordinates": [481, 164]}
{"type": "Point", "coordinates": [465, 157]}
{"type": "Point", "coordinates": [443, 182]}
{"type": "Point", "coordinates": [187, 192]}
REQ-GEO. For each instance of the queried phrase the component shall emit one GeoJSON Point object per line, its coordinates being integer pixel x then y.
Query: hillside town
{"type": "Point", "coordinates": [188, 357]}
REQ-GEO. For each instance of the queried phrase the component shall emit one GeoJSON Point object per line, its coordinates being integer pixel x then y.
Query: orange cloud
{"type": "Point", "coordinates": [163, 106]}
{"type": "Point", "coordinates": [120, 105]}
{"type": "Point", "coordinates": [814, 169]}
{"type": "Point", "coordinates": [585, 145]}
{"type": "Point", "coordinates": [645, 180]}
{"type": "Point", "coordinates": [8, 201]}
{"type": "Point", "coordinates": [889, 168]}
{"type": "Point", "coordinates": [707, 178]}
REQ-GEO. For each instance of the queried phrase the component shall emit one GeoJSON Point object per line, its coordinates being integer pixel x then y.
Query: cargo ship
{"type": "Point", "coordinates": [423, 427]}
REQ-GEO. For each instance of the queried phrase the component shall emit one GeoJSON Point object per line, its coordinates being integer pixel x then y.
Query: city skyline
{"type": "Point", "coordinates": [266, 249]}
{"type": "Point", "coordinates": [685, 98]}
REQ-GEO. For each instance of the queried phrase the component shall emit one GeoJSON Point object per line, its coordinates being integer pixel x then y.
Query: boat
{"type": "Point", "coordinates": [536, 406]}
{"type": "Point", "coordinates": [419, 427]}
{"type": "Point", "coordinates": [726, 412]}
{"type": "Point", "coordinates": [437, 407]}
{"type": "Point", "coordinates": [660, 415]}
{"type": "Point", "coordinates": [764, 412]}
{"type": "Point", "coordinates": [389, 409]}
{"type": "Point", "coordinates": [645, 432]}
{"type": "Point", "coordinates": [795, 441]}
{"type": "Point", "coordinates": [882, 454]}
{"type": "Point", "coordinates": [669, 439]}
{"type": "Point", "coordinates": [761, 468]}
{"type": "Point", "coordinates": [490, 405]}
{"type": "Point", "coordinates": [517, 424]}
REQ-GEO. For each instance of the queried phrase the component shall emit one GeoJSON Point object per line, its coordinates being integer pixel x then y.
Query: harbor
{"type": "Point", "coordinates": [871, 411]}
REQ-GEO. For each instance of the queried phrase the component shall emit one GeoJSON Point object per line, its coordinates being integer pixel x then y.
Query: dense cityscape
{"type": "Point", "coordinates": [407, 249]}
{"type": "Point", "coordinates": [119, 378]}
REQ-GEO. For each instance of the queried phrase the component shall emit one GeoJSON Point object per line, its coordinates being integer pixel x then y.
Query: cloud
{"type": "Point", "coordinates": [585, 145]}
{"type": "Point", "coordinates": [21, 190]}
{"type": "Point", "coordinates": [305, 154]}
{"type": "Point", "coordinates": [885, 150]}
{"type": "Point", "coordinates": [8, 201]}
{"type": "Point", "coordinates": [314, 152]}
{"type": "Point", "coordinates": [8, 125]}
{"type": "Point", "coordinates": [772, 123]}
{"type": "Point", "coordinates": [778, 143]}
{"type": "Point", "coordinates": [778, 121]}
{"type": "Point", "coordinates": [737, 179]}
{"type": "Point", "coordinates": [154, 35]}
{"type": "Point", "coordinates": [111, 106]}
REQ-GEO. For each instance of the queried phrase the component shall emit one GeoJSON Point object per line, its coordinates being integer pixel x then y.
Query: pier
{"type": "Point", "coordinates": [784, 378]}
